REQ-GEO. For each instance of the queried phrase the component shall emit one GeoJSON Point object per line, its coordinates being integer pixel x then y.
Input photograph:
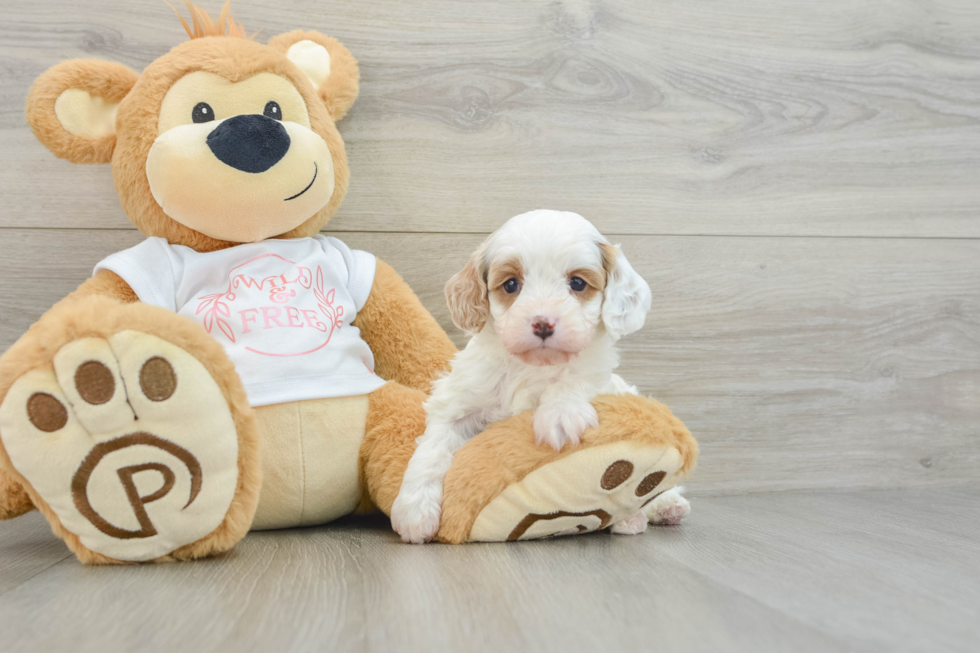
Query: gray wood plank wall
{"type": "Point", "coordinates": [799, 182]}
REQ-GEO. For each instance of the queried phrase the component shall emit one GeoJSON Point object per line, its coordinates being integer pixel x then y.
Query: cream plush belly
{"type": "Point", "coordinates": [309, 460]}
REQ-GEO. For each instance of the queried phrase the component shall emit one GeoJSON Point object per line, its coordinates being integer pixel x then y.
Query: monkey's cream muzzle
{"type": "Point", "coordinates": [242, 177]}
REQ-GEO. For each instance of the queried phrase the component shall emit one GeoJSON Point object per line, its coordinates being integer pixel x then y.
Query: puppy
{"type": "Point", "coordinates": [546, 297]}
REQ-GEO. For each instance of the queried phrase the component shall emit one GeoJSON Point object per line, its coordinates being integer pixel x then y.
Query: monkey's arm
{"type": "Point", "coordinates": [409, 345]}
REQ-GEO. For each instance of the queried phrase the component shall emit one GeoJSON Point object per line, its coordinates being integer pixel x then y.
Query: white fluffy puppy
{"type": "Point", "coordinates": [546, 297]}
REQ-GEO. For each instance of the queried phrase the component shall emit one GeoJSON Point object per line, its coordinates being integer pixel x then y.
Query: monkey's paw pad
{"type": "Point", "coordinates": [585, 491]}
{"type": "Point", "coordinates": [129, 440]}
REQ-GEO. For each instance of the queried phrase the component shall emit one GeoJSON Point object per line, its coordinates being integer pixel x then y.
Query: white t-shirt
{"type": "Point", "coordinates": [282, 309]}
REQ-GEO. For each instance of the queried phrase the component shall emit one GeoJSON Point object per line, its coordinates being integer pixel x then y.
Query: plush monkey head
{"type": "Point", "coordinates": [221, 141]}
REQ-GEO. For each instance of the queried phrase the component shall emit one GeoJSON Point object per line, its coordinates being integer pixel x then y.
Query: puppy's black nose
{"type": "Point", "coordinates": [543, 329]}
{"type": "Point", "coordinates": [250, 143]}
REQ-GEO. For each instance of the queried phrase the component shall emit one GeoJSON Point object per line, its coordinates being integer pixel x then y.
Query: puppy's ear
{"type": "Point", "coordinates": [330, 67]}
{"type": "Point", "coordinates": [626, 299]}
{"type": "Point", "coordinates": [72, 108]}
{"type": "Point", "coordinates": [466, 293]}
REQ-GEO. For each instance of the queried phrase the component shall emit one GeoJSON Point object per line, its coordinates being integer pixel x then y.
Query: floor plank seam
{"type": "Point", "coordinates": [40, 572]}
{"type": "Point", "coordinates": [763, 604]}
{"type": "Point", "coordinates": [961, 484]}
{"type": "Point", "coordinates": [610, 234]}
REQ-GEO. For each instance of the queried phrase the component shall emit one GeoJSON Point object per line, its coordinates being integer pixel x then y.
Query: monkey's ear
{"type": "Point", "coordinates": [331, 68]}
{"type": "Point", "coordinates": [72, 108]}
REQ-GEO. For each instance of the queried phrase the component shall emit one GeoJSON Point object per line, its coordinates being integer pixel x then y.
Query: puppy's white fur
{"type": "Point", "coordinates": [549, 346]}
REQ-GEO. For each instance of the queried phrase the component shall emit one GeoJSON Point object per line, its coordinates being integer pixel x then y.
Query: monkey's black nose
{"type": "Point", "coordinates": [250, 143]}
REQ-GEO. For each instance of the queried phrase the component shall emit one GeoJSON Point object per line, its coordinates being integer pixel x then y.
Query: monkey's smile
{"type": "Point", "coordinates": [307, 186]}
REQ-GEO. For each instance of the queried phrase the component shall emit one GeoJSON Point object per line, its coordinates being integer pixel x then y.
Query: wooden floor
{"type": "Point", "coordinates": [846, 571]}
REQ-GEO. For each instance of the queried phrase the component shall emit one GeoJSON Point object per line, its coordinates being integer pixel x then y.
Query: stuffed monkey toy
{"type": "Point", "coordinates": [239, 370]}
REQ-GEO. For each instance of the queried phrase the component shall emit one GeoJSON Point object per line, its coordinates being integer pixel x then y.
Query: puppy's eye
{"type": "Point", "coordinates": [577, 284]}
{"type": "Point", "coordinates": [511, 286]}
{"type": "Point", "coordinates": [272, 110]}
{"type": "Point", "coordinates": [202, 112]}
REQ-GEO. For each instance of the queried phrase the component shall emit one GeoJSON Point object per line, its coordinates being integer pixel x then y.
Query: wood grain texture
{"type": "Point", "coordinates": [27, 548]}
{"type": "Point", "coordinates": [849, 571]}
{"type": "Point", "coordinates": [796, 362]}
{"type": "Point", "coordinates": [767, 117]}
{"type": "Point", "coordinates": [888, 570]}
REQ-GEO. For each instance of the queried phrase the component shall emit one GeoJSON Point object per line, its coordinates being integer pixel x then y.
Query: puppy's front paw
{"type": "Point", "coordinates": [632, 526]}
{"type": "Point", "coordinates": [669, 508]}
{"type": "Point", "coordinates": [416, 515]}
{"type": "Point", "coordinates": [559, 424]}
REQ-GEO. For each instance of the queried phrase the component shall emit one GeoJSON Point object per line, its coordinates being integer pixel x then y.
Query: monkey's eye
{"type": "Point", "coordinates": [577, 284]}
{"type": "Point", "coordinates": [202, 112]}
{"type": "Point", "coordinates": [511, 286]}
{"type": "Point", "coordinates": [272, 110]}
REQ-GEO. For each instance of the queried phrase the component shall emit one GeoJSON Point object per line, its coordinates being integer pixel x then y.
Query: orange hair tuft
{"type": "Point", "coordinates": [204, 26]}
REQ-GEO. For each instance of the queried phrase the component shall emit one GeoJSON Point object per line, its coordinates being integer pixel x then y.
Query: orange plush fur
{"type": "Point", "coordinates": [202, 25]}
{"type": "Point", "coordinates": [395, 419]}
{"type": "Point", "coordinates": [506, 452]}
{"type": "Point", "coordinates": [411, 356]}
{"type": "Point", "coordinates": [502, 455]}
{"type": "Point", "coordinates": [14, 500]}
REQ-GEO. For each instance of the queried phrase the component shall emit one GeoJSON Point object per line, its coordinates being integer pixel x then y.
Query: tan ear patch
{"type": "Point", "coordinates": [82, 114]}
{"type": "Point", "coordinates": [312, 58]}
{"type": "Point", "coordinates": [609, 254]}
{"type": "Point", "coordinates": [72, 108]}
{"type": "Point", "coordinates": [466, 294]}
{"type": "Point", "coordinates": [331, 68]}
